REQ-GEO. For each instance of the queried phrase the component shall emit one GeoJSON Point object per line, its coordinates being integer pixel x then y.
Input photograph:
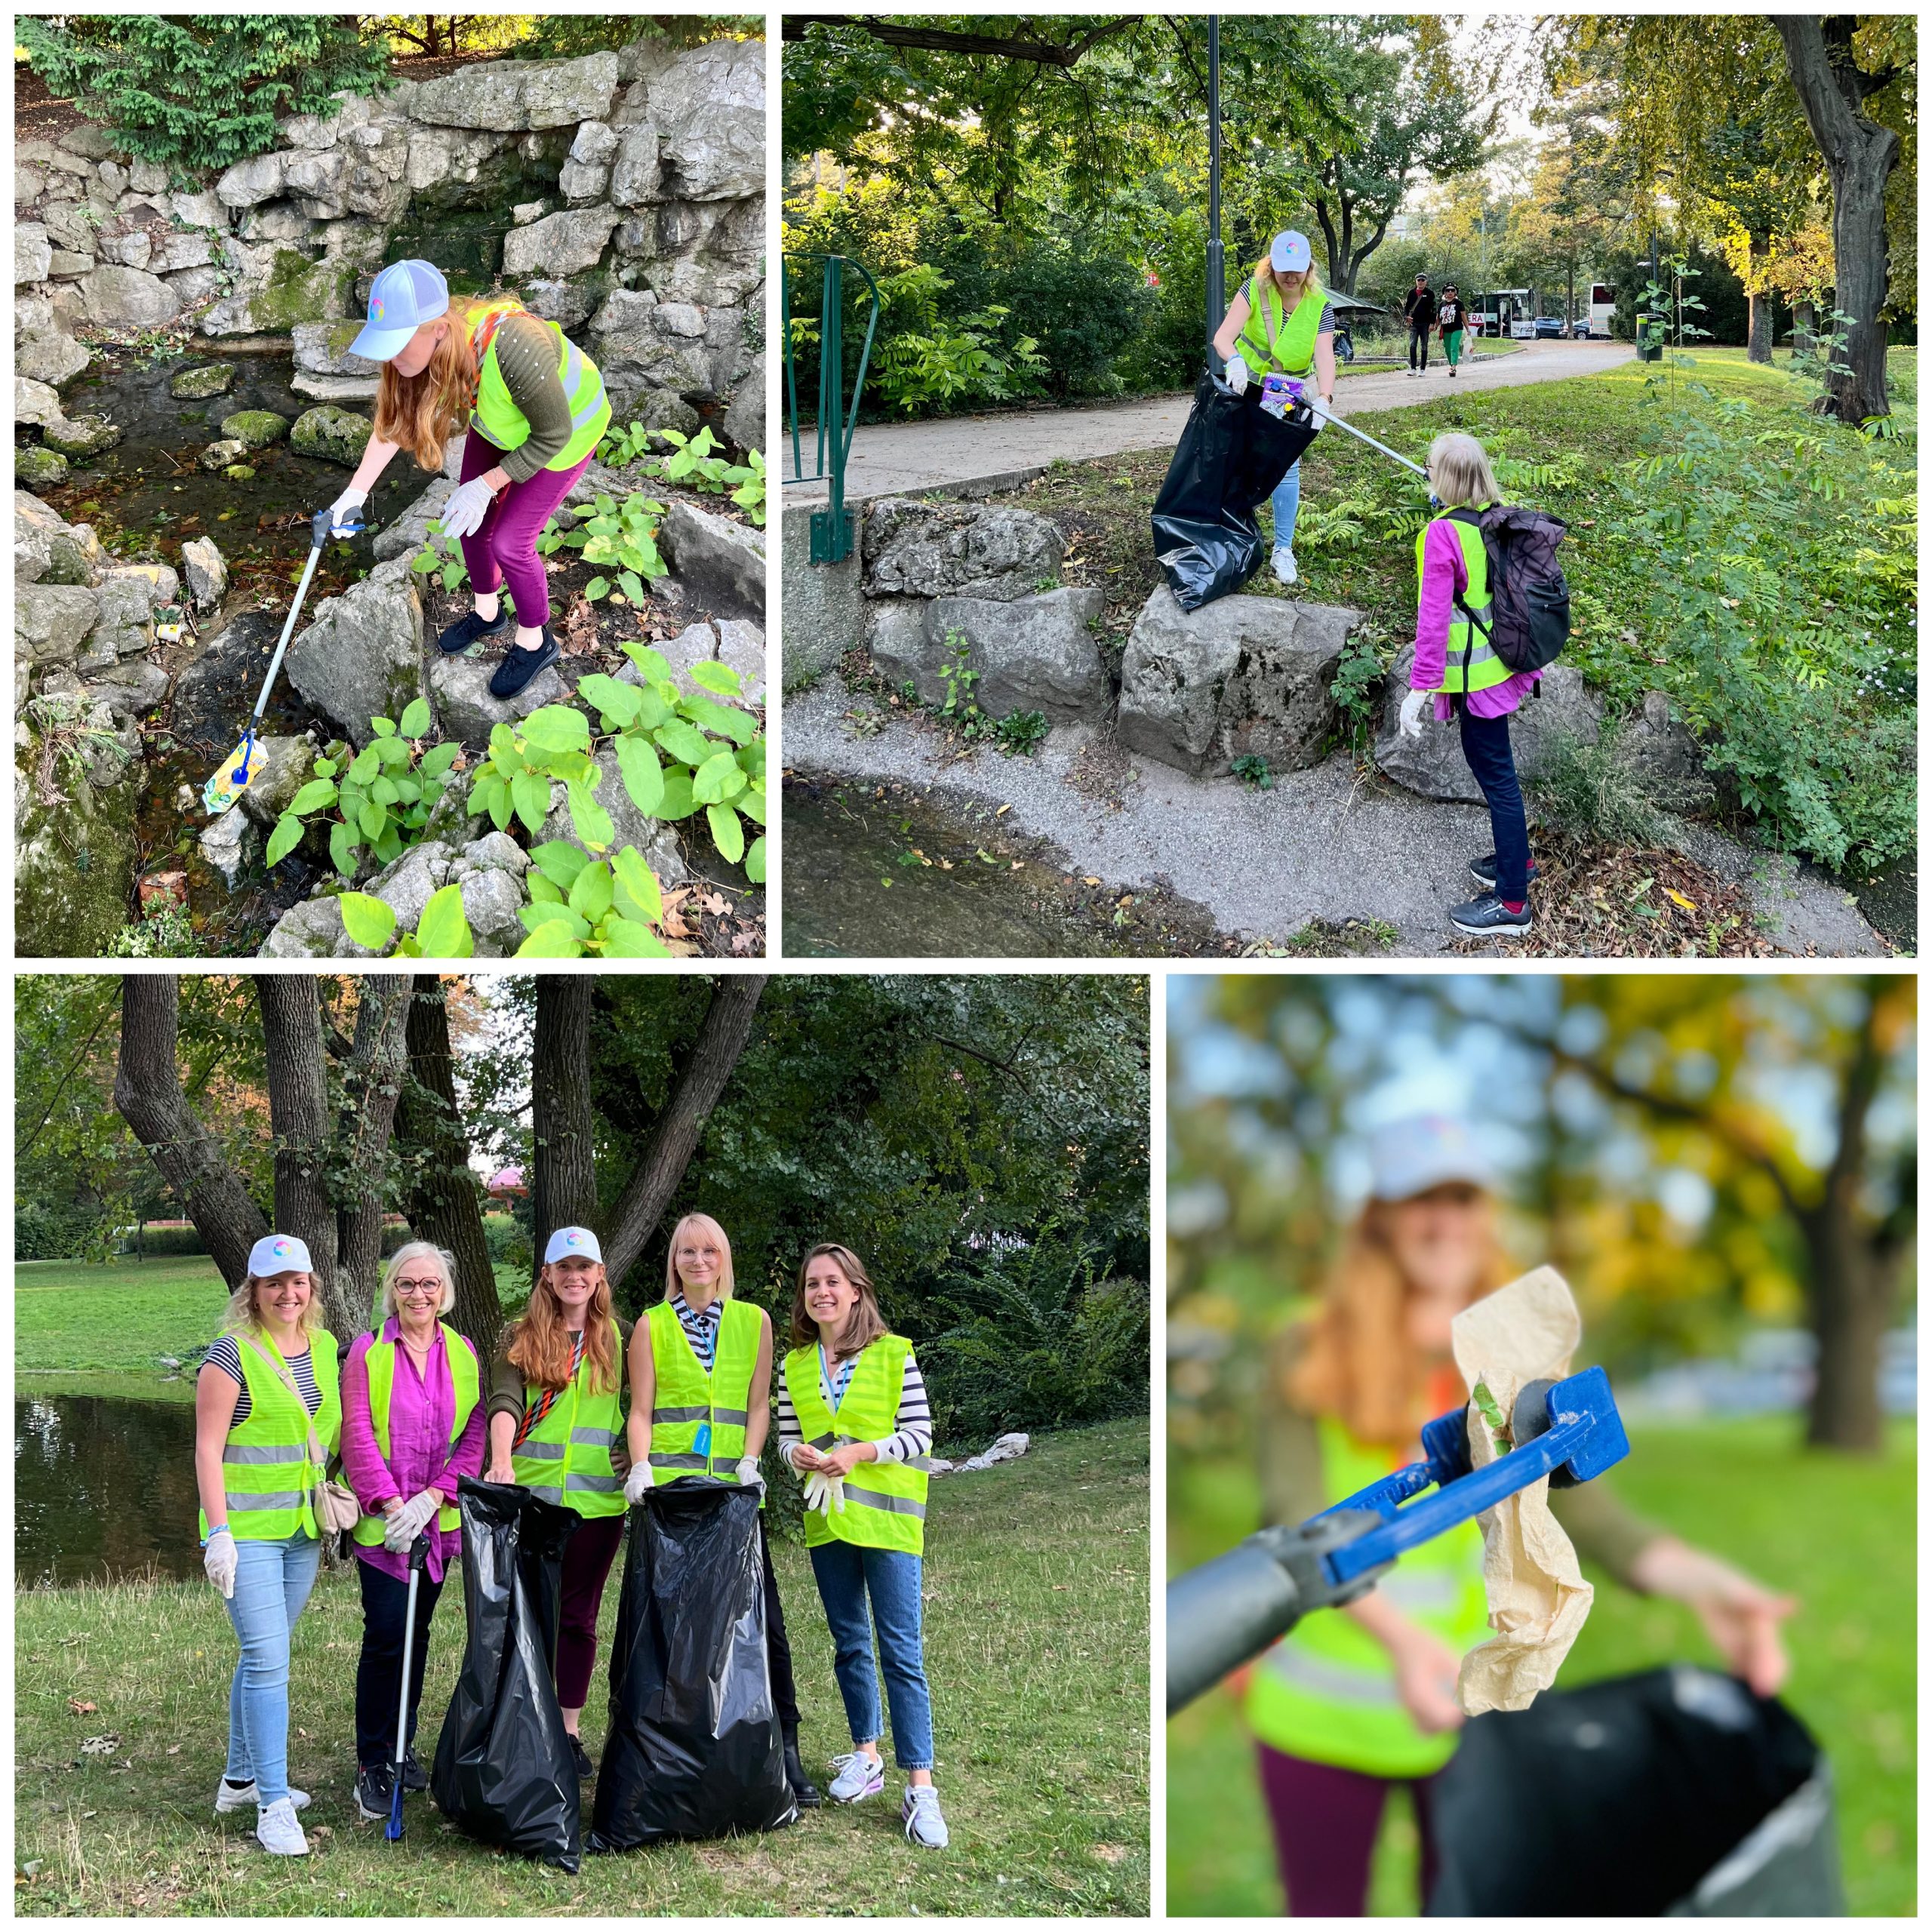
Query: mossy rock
{"type": "Point", "coordinates": [74, 856]}
{"type": "Point", "coordinates": [299, 290]}
{"type": "Point", "coordinates": [331, 434]}
{"type": "Point", "coordinates": [257, 428]}
{"type": "Point", "coordinates": [82, 436]}
{"type": "Point", "coordinates": [38, 469]}
{"type": "Point", "coordinates": [239, 472]}
{"type": "Point", "coordinates": [219, 455]}
{"type": "Point", "coordinates": [196, 385]}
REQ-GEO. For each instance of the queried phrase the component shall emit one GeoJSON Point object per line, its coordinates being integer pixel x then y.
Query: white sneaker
{"type": "Point", "coordinates": [229, 1797]}
{"type": "Point", "coordinates": [859, 1775]}
{"type": "Point", "coordinates": [920, 1813]}
{"type": "Point", "coordinates": [1285, 565]}
{"type": "Point", "coordinates": [278, 1830]}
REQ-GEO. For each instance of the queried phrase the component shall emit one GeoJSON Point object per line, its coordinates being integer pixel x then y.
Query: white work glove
{"type": "Point", "coordinates": [219, 1559]}
{"type": "Point", "coordinates": [468, 505]}
{"type": "Point", "coordinates": [409, 1522]}
{"type": "Point", "coordinates": [641, 1477]}
{"type": "Point", "coordinates": [1412, 704]}
{"type": "Point", "coordinates": [342, 511]}
{"type": "Point", "coordinates": [1235, 375]}
{"type": "Point", "coordinates": [824, 1492]}
{"type": "Point", "coordinates": [748, 1473]}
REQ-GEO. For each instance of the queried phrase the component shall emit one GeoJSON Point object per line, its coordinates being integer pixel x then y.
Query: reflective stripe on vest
{"type": "Point", "coordinates": [885, 1502]}
{"type": "Point", "coordinates": [1326, 1691]}
{"type": "Point", "coordinates": [464, 1380]}
{"type": "Point", "coordinates": [503, 423]}
{"type": "Point", "coordinates": [267, 1480]}
{"type": "Point", "coordinates": [1469, 662]}
{"type": "Point", "coordinates": [1292, 351]}
{"type": "Point", "coordinates": [685, 1401]}
{"type": "Point", "coordinates": [566, 1458]}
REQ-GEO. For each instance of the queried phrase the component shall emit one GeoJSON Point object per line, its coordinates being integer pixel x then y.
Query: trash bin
{"type": "Point", "coordinates": [694, 1749]}
{"type": "Point", "coordinates": [504, 1769]}
{"type": "Point", "coordinates": [1675, 1791]}
{"type": "Point", "coordinates": [1230, 456]}
{"type": "Point", "coordinates": [1649, 338]}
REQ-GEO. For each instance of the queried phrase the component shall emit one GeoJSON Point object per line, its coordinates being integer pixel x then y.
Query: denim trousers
{"type": "Point", "coordinates": [379, 1668]}
{"type": "Point", "coordinates": [847, 1574]}
{"type": "Point", "coordinates": [1486, 745]}
{"type": "Point", "coordinates": [273, 1581]}
{"type": "Point", "coordinates": [1286, 502]}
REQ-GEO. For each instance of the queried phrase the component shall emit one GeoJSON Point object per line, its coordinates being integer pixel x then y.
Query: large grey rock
{"type": "Point", "coordinates": [721, 563]}
{"type": "Point", "coordinates": [199, 209]}
{"type": "Point", "coordinates": [921, 549]}
{"type": "Point", "coordinates": [640, 341]}
{"type": "Point", "coordinates": [122, 298]}
{"type": "Point", "coordinates": [33, 253]}
{"type": "Point", "coordinates": [708, 106]}
{"type": "Point", "coordinates": [206, 571]}
{"type": "Point", "coordinates": [168, 254]}
{"type": "Point", "coordinates": [81, 435]}
{"type": "Point", "coordinates": [561, 243]}
{"type": "Point", "coordinates": [1242, 676]}
{"type": "Point", "coordinates": [408, 533]}
{"type": "Point", "coordinates": [126, 605]}
{"type": "Point", "coordinates": [568, 304]}
{"type": "Point", "coordinates": [135, 250]}
{"type": "Point", "coordinates": [29, 184]}
{"type": "Point", "coordinates": [50, 619]}
{"type": "Point", "coordinates": [323, 349]}
{"type": "Point", "coordinates": [1665, 757]}
{"type": "Point", "coordinates": [131, 690]}
{"type": "Point", "coordinates": [741, 645]}
{"type": "Point", "coordinates": [231, 842]}
{"type": "Point", "coordinates": [220, 455]}
{"type": "Point", "coordinates": [1433, 764]}
{"type": "Point", "coordinates": [68, 265]}
{"type": "Point", "coordinates": [1031, 653]}
{"type": "Point", "coordinates": [45, 546]}
{"type": "Point", "coordinates": [249, 183]}
{"type": "Point", "coordinates": [34, 314]}
{"type": "Point", "coordinates": [285, 765]}
{"type": "Point", "coordinates": [276, 221]}
{"type": "Point", "coordinates": [511, 96]}
{"type": "Point", "coordinates": [362, 657]}
{"type": "Point", "coordinates": [77, 784]}
{"type": "Point", "coordinates": [53, 358]}
{"type": "Point", "coordinates": [39, 468]}
{"type": "Point", "coordinates": [90, 141]}
{"type": "Point", "coordinates": [198, 384]}
{"type": "Point", "coordinates": [37, 404]}
{"type": "Point", "coordinates": [656, 840]}
{"type": "Point", "coordinates": [276, 287]}
{"type": "Point", "coordinates": [254, 428]}
{"type": "Point", "coordinates": [744, 424]}
{"type": "Point", "coordinates": [331, 433]}
{"type": "Point", "coordinates": [335, 388]}
{"type": "Point", "coordinates": [71, 225]}
{"type": "Point", "coordinates": [637, 167]}
{"type": "Point", "coordinates": [459, 688]}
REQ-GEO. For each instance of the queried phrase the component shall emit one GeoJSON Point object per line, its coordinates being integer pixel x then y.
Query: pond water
{"type": "Point", "coordinates": [103, 1488]}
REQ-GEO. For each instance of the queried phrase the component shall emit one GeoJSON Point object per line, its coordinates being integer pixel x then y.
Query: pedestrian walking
{"type": "Point", "coordinates": [1420, 310]}
{"type": "Point", "coordinates": [1450, 319]}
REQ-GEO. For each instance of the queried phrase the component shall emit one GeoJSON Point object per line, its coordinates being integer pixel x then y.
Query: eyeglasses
{"type": "Point", "coordinates": [428, 1287]}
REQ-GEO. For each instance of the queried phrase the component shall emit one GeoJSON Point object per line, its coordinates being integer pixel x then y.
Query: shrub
{"type": "Point", "coordinates": [1083, 308]}
{"type": "Point", "coordinates": [1587, 789]}
{"type": "Point", "coordinates": [69, 1232]}
{"type": "Point", "coordinates": [932, 356]}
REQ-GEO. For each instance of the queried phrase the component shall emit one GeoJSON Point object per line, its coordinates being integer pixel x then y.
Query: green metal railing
{"type": "Point", "coordinates": [835, 419]}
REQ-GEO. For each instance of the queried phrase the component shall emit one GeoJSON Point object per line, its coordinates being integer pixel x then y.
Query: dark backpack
{"type": "Point", "coordinates": [1529, 598]}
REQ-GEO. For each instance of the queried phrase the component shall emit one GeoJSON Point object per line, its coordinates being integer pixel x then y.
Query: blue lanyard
{"type": "Point", "coordinates": [834, 1386]}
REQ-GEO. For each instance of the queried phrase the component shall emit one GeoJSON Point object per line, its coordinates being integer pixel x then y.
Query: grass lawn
{"type": "Point", "coordinates": [1037, 1645]}
{"type": "Point", "coordinates": [1836, 1532]}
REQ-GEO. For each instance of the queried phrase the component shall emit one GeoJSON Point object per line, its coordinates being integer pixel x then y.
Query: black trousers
{"type": "Point", "coordinates": [784, 1687]}
{"type": "Point", "coordinates": [1418, 345]}
{"type": "Point", "coordinates": [379, 1670]}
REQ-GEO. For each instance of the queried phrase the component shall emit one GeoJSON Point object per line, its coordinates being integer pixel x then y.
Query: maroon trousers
{"type": "Point", "coordinates": [1325, 1821]}
{"type": "Point", "coordinates": [587, 1559]}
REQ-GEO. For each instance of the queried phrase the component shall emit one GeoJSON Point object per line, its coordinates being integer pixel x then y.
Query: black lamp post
{"type": "Point", "coordinates": [1217, 303]}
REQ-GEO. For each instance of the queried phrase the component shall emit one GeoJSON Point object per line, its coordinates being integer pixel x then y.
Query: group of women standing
{"type": "Point", "coordinates": [410, 1411]}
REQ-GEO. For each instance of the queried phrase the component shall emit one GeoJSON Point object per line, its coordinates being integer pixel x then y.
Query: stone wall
{"type": "Point", "coordinates": [621, 195]}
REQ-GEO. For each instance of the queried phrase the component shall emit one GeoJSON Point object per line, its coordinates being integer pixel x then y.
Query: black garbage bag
{"type": "Point", "coordinates": [1230, 456]}
{"type": "Point", "coordinates": [694, 1750]}
{"type": "Point", "coordinates": [504, 1770]}
{"type": "Point", "coordinates": [1674, 1792]}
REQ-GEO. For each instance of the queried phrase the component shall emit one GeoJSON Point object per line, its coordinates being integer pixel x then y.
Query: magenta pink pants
{"type": "Point", "coordinates": [503, 550]}
{"type": "Point", "coordinates": [1325, 1821]}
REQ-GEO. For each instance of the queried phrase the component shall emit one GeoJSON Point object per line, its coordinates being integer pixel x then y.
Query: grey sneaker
{"type": "Point", "coordinates": [920, 1814]}
{"type": "Point", "coordinates": [278, 1830]}
{"type": "Point", "coordinates": [1284, 561]}
{"type": "Point", "coordinates": [233, 1797]}
{"type": "Point", "coordinates": [858, 1776]}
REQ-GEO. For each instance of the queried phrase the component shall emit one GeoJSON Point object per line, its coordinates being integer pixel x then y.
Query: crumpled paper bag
{"type": "Point", "coordinates": [1537, 1598]}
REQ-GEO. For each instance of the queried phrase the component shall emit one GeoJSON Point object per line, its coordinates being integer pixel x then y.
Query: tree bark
{"type": "Point", "coordinates": [299, 1118]}
{"type": "Point", "coordinates": [660, 1169]}
{"type": "Point", "coordinates": [1859, 155]}
{"type": "Point", "coordinates": [440, 1191]}
{"type": "Point", "coordinates": [1850, 1308]}
{"type": "Point", "coordinates": [1804, 316]}
{"type": "Point", "coordinates": [374, 1079]}
{"type": "Point", "coordinates": [148, 1096]}
{"type": "Point", "coordinates": [561, 1126]}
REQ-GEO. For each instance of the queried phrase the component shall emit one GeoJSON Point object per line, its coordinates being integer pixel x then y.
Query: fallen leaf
{"type": "Point", "coordinates": [80, 1706]}
{"type": "Point", "coordinates": [1688, 905]}
{"type": "Point", "coordinates": [1090, 881]}
{"type": "Point", "coordinates": [1003, 810]}
{"type": "Point", "coordinates": [715, 904]}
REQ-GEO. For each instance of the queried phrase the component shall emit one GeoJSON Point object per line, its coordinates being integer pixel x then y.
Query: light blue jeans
{"type": "Point", "coordinates": [846, 1574]}
{"type": "Point", "coordinates": [273, 1581]}
{"type": "Point", "coordinates": [1286, 502]}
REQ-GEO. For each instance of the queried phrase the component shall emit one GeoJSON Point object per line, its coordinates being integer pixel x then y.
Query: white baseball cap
{"type": "Point", "coordinates": [1289, 253]}
{"type": "Point", "coordinates": [279, 1254]}
{"type": "Point", "coordinates": [568, 1241]}
{"type": "Point", "coordinates": [401, 299]}
{"type": "Point", "coordinates": [1409, 1157]}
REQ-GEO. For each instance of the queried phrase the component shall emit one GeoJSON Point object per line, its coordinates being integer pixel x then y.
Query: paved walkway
{"type": "Point", "coordinates": [1003, 450]}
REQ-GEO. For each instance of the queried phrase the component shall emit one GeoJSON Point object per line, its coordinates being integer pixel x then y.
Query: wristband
{"type": "Point", "coordinates": [220, 1530]}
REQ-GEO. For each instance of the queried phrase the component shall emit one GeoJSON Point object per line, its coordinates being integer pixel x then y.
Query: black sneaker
{"type": "Point", "coordinates": [461, 635]}
{"type": "Point", "coordinates": [1483, 871]}
{"type": "Point", "coordinates": [519, 666]}
{"type": "Point", "coordinates": [414, 1777]}
{"type": "Point", "coordinates": [1488, 917]}
{"type": "Point", "coordinates": [584, 1768]}
{"type": "Point", "coordinates": [374, 1791]}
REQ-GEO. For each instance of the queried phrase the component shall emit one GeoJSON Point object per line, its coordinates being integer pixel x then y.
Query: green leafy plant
{"type": "Point", "coordinates": [693, 463]}
{"type": "Point", "coordinates": [1023, 732]}
{"type": "Point", "coordinates": [1357, 685]}
{"type": "Point", "coordinates": [1251, 768]}
{"type": "Point", "coordinates": [442, 933]}
{"type": "Point", "coordinates": [950, 360]}
{"type": "Point", "coordinates": [623, 535]}
{"type": "Point", "coordinates": [381, 798]}
{"type": "Point", "coordinates": [447, 564]}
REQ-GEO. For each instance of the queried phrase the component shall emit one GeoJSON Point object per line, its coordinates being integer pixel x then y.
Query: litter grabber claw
{"type": "Point", "coordinates": [1230, 1610]}
{"type": "Point", "coordinates": [1310, 399]}
{"type": "Point", "coordinates": [239, 769]}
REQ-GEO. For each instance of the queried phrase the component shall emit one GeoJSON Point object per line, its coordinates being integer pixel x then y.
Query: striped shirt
{"type": "Point", "coordinates": [700, 1329]}
{"type": "Point", "coordinates": [225, 1353]}
{"type": "Point", "coordinates": [912, 1434]}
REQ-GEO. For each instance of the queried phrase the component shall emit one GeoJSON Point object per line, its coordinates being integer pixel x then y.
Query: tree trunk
{"type": "Point", "coordinates": [727, 1027]}
{"type": "Point", "coordinates": [374, 1082]}
{"type": "Point", "coordinates": [1804, 316]}
{"type": "Point", "coordinates": [565, 1194]}
{"type": "Point", "coordinates": [440, 1192]}
{"type": "Point", "coordinates": [148, 1096]}
{"type": "Point", "coordinates": [1851, 1296]}
{"type": "Point", "coordinates": [299, 1118]}
{"type": "Point", "coordinates": [1859, 156]}
{"type": "Point", "coordinates": [1758, 339]}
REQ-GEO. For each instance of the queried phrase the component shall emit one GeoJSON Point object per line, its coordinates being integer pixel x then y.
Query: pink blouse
{"type": "Point", "coordinates": [1445, 577]}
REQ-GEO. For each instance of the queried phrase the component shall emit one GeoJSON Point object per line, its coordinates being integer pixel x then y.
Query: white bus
{"type": "Point", "coordinates": [1506, 312]}
{"type": "Point", "coordinates": [1602, 310]}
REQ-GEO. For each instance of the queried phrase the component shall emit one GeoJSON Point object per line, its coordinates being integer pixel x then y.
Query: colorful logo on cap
{"type": "Point", "coordinates": [575, 1239]}
{"type": "Point", "coordinates": [375, 308]}
{"type": "Point", "coordinates": [282, 1250]}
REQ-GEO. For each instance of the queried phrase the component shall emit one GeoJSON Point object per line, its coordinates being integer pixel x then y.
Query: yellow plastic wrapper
{"type": "Point", "coordinates": [1537, 1598]}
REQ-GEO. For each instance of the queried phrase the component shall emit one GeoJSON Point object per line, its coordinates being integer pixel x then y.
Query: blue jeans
{"type": "Point", "coordinates": [273, 1581]}
{"type": "Point", "coordinates": [1486, 745]}
{"type": "Point", "coordinates": [1286, 502]}
{"type": "Point", "coordinates": [846, 1574]}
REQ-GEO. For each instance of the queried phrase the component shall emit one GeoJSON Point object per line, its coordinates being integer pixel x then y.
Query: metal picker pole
{"type": "Point", "coordinates": [1217, 299]}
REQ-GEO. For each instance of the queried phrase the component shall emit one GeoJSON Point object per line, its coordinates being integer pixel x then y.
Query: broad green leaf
{"type": "Point", "coordinates": [531, 796]}
{"type": "Point", "coordinates": [392, 751]}
{"type": "Point", "coordinates": [543, 891]}
{"type": "Point", "coordinates": [437, 759]}
{"type": "Point", "coordinates": [384, 791]}
{"type": "Point", "coordinates": [503, 749]}
{"type": "Point", "coordinates": [643, 776]}
{"type": "Point", "coordinates": [407, 790]}
{"type": "Point", "coordinates": [534, 916]}
{"type": "Point", "coordinates": [389, 847]}
{"type": "Point", "coordinates": [726, 831]}
{"type": "Point", "coordinates": [367, 763]}
{"type": "Point", "coordinates": [383, 727]}
{"type": "Point", "coordinates": [620, 703]}
{"type": "Point", "coordinates": [755, 862]}
{"type": "Point", "coordinates": [751, 802]}
{"type": "Point", "coordinates": [598, 586]}
{"type": "Point", "coordinates": [559, 861]}
{"type": "Point", "coordinates": [367, 921]}
{"type": "Point", "coordinates": [312, 797]}
{"type": "Point", "coordinates": [286, 836]}
{"type": "Point", "coordinates": [443, 932]}
{"type": "Point", "coordinates": [653, 710]}
{"type": "Point", "coordinates": [677, 802]}
{"type": "Point", "coordinates": [324, 767]}
{"type": "Point", "coordinates": [552, 940]}
{"type": "Point", "coordinates": [628, 582]}
{"type": "Point", "coordinates": [589, 819]}
{"type": "Point", "coordinates": [640, 882]}
{"type": "Point", "coordinates": [685, 743]}
{"type": "Point", "coordinates": [370, 819]}
{"type": "Point", "coordinates": [715, 675]}
{"type": "Point", "coordinates": [717, 779]}
{"type": "Point", "coordinates": [590, 897]}
{"type": "Point", "coordinates": [343, 842]}
{"type": "Point", "coordinates": [650, 661]}
{"type": "Point", "coordinates": [415, 720]}
{"type": "Point", "coordinates": [625, 939]}
{"type": "Point", "coordinates": [556, 728]}
{"type": "Point", "coordinates": [739, 726]}
{"type": "Point", "coordinates": [424, 561]}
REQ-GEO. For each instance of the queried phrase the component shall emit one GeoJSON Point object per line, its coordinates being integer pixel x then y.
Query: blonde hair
{"type": "Point", "coordinates": [1459, 471]}
{"type": "Point", "coordinates": [539, 1344]}
{"type": "Point", "coordinates": [408, 1251]}
{"type": "Point", "coordinates": [863, 1326]}
{"type": "Point", "coordinates": [421, 413]}
{"type": "Point", "coordinates": [698, 1224]}
{"type": "Point", "coordinates": [242, 1313]}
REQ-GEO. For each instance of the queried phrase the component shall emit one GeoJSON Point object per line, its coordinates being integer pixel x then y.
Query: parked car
{"type": "Point", "coordinates": [1549, 328]}
{"type": "Point", "coordinates": [1579, 330]}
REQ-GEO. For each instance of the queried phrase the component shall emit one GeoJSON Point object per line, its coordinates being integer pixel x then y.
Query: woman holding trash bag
{"type": "Point", "coordinates": [557, 1427]}
{"type": "Point", "coordinates": [1352, 1703]}
{"type": "Point", "coordinates": [700, 1369]}
{"type": "Point", "coordinates": [267, 1415]}
{"type": "Point", "coordinates": [412, 1424]}
{"type": "Point", "coordinates": [854, 1423]}
{"type": "Point", "coordinates": [534, 408]}
{"type": "Point", "coordinates": [1282, 321]}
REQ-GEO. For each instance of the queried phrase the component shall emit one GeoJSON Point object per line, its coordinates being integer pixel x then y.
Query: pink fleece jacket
{"type": "Point", "coordinates": [1445, 577]}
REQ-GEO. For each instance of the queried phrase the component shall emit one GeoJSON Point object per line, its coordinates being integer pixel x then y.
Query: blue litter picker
{"type": "Point", "coordinates": [1231, 1610]}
